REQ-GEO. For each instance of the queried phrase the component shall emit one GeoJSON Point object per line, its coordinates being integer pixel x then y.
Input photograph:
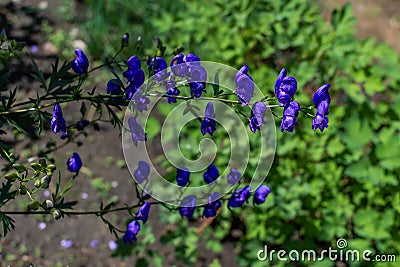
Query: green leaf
{"type": "Point", "coordinates": [215, 85]}
{"type": "Point", "coordinates": [38, 75]}
{"type": "Point", "coordinates": [357, 133]}
{"type": "Point", "coordinates": [7, 223]}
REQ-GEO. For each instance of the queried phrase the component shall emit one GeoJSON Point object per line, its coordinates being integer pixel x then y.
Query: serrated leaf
{"type": "Point", "coordinates": [38, 75]}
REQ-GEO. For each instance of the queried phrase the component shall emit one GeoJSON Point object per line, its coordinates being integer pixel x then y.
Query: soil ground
{"type": "Point", "coordinates": [28, 244]}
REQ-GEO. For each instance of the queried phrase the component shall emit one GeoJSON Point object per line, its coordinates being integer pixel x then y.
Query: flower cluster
{"type": "Point", "coordinates": [133, 227]}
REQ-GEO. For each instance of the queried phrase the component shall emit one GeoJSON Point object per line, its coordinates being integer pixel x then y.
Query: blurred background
{"type": "Point", "coordinates": [343, 183]}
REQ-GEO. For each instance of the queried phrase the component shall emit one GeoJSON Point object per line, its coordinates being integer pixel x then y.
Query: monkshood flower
{"type": "Point", "coordinates": [178, 66]}
{"type": "Point", "coordinates": [65, 243]}
{"type": "Point", "coordinates": [191, 60]}
{"type": "Point", "coordinates": [257, 116]}
{"type": "Point", "coordinates": [132, 230]}
{"type": "Point", "coordinates": [140, 102]}
{"type": "Point", "coordinates": [187, 207]}
{"type": "Point", "coordinates": [321, 101]}
{"type": "Point", "coordinates": [142, 172]}
{"type": "Point", "coordinates": [134, 76]}
{"type": "Point", "coordinates": [197, 78]}
{"type": "Point", "coordinates": [80, 64]}
{"type": "Point", "coordinates": [244, 86]}
{"type": "Point", "coordinates": [239, 197]}
{"type": "Point", "coordinates": [285, 88]}
{"type": "Point", "coordinates": [143, 213]}
{"type": "Point", "coordinates": [74, 163]}
{"type": "Point", "coordinates": [137, 131]}
{"type": "Point", "coordinates": [211, 174]}
{"type": "Point", "coordinates": [208, 125]}
{"type": "Point", "coordinates": [159, 68]}
{"type": "Point", "coordinates": [172, 90]}
{"type": "Point", "coordinates": [234, 176]}
{"type": "Point", "coordinates": [261, 194]}
{"type": "Point", "coordinates": [290, 113]}
{"type": "Point", "coordinates": [182, 176]}
{"type": "Point", "coordinates": [58, 123]}
{"type": "Point", "coordinates": [113, 87]}
{"type": "Point", "coordinates": [213, 205]}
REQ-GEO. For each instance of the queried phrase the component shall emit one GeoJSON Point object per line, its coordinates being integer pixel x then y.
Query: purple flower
{"type": "Point", "coordinates": [112, 245]}
{"type": "Point", "coordinates": [113, 87]}
{"type": "Point", "coordinates": [197, 78]}
{"type": "Point", "coordinates": [244, 86]}
{"type": "Point", "coordinates": [143, 213]}
{"type": "Point", "coordinates": [65, 243]}
{"type": "Point", "coordinates": [191, 60]}
{"type": "Point", "coordinates": [182, 176]}
{"type": "Point", "coordinates": [58, 123]}
{"type": "Point", "coordinates": [74, 163]}
{"type": "Point", "coordinates": [178, 66]}
{"type": "Point", "coordinates": [285, 88]}
{"type": "Point", "coordinates": [213, 205]}
{"type": "Point", "coordinates": [261, 193]}
{"type": "Point", "coordinates": [211, 174]}
{"type": "Point", "coordinates": [135, 80]}
{"type": "Point", "coordinates": [321, 101]}
{"type": "Point", "coordinates": [142, 172]}
{"type": "Point", "coordinates": [139, 101]}
{"type": "Point", "coordinates": [172, 90]}
{"type": "Point", "coordinates": [290, 113]}
{"type": "Point", "coordinates": [239, 197]}
{"type": "Point", "coordinates": [80, 64]}
{"type": "Point", "coordinates": [132, 230]}
{"type": "Point", "coordinates": [187, 206]}
{"type": "Point", "coordinates": [208, 125]}
{"type": "Point", "coordinates": [159, 68]}
{"type": "Point", "coordinates": [137, 131]}
{"type": "Point", "coordinates": [234, 176]}
{"type": "Point", "coordinates": [257, 116]}
{"type": "Point", "coordinates": [134, 63]}
{"type": "Point", "coordinates": [94, 243]}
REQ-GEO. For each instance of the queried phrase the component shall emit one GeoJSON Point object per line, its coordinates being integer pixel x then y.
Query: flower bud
{"type": "Point", "coordinates": [3, 35]}
{"type": "Point", "coordinates": [49, 204]}
{"type": "Point", "coordinates": [19, 168]}
{"type": "Point", "coordinates": [12, 176]}
{"type": "Point", "coordinates": [125, 39]}
{"type": "Point", "coordinates": [37, 183]}
{"type": "Point", "coordinates": [45, 181]}
{"type": "Point", "coordinates": [42, 162]}
{"type": "Point", "coordinates": [51, 168]}
{"type": "Point", "coordinates": [23, 189]}
{"type": "Point", "coordinates": [34, 205]}
{"type": "Point", "coordinates": [36, 166]}
{"type": "Point", "coordinates": [56, 214]}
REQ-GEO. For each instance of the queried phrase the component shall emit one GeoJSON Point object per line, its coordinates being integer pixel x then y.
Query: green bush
{"type": "Point", "coordinates": [342, 184]}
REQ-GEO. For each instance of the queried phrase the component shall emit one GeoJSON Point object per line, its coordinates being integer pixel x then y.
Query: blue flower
{"type": "Point", "coordinates": [74, 163]}
{"type": "Point", "coordinates": [113, 87]}
{"type": "Point", "coordinates": [191, 60]}
{"type": "Point", "coordinates": [134, 62]}
{"type": "Point", "coordinates": [261, 193]}
{"type": "Point", "coordinates": [134, 76]}
{"type": "Point", "coordinates": [137, 131]}
{"type": "Point", "coordinates": [58, 123]}
{"type": "Point", "coordinates": [285, 88]}
{"type": "Point", "coordinates": [211, 174]}
{"type": "Point", "coordinates": [213, 205]}
{"type": "Point", "coordinates": [132, 230]}
{"type": "Point", "coordinates": [143, 213]}
{"type": "Point", "coordinates": [244, 86]}
{"type": "Point", "coordinates": [208, 125]}
{"type": "Point", "coordinates": [159, 68]}
{"type": "Point", "coordinates": [290, 113]}
{"type": "Point", "coordinates": [172, 90]}
{"type": "Point", "coordinates": [239, 197]}
{"type": "Point", "coordinates": [182, 176]}
{"type": "Point", "coordinates": [187, 206]}
{"type": "Point", "coordinates": [142, 172]}
{"type": "Point", "coordinates": [80, 64]}
{"type": "Point", "coordinates": [234, 176]}
{"type": "Point", "coordinates": [257, 116]}
{"type": "Point", "coordinates": [178, 66]}
{"type": "Point", "coordinates": [140, 102]}
{"type": "Point", "coordinates": [321, 101]}
{"type": "Point", "coordinates": [197, 78]}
